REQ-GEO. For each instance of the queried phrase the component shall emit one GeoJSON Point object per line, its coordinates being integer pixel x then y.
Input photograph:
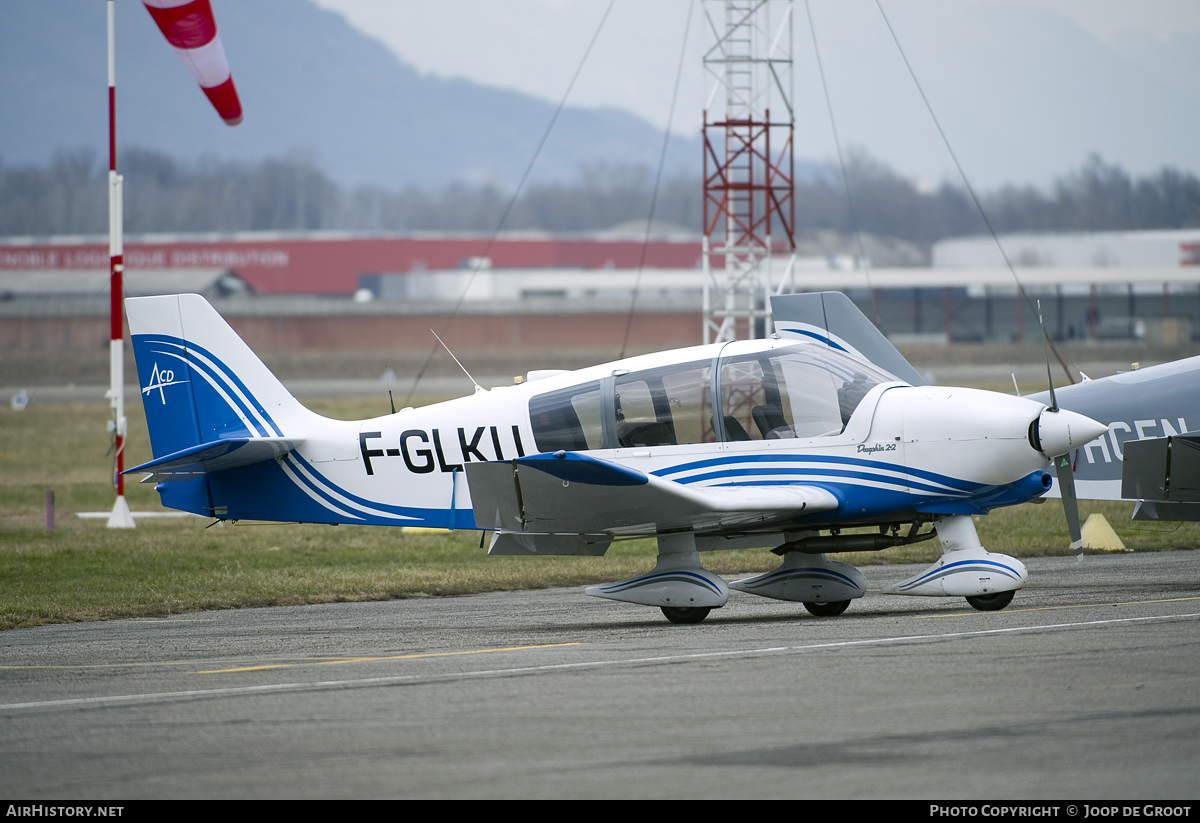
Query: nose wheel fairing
{"type": "Point", "coordinates": [965, 569]}
{"type": "Point", "coordinates": [965, 573]}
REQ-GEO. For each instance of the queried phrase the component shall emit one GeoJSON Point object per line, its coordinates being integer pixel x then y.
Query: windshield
{"type": "Point", "coordinates": [798, 391]}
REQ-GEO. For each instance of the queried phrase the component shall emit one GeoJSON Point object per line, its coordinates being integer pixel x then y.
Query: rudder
{"type": "Point", "coordinates": [199, 381]}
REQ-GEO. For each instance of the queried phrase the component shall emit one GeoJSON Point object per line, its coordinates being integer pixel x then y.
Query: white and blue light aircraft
{"type": "Point", "coordinates": [780, 443]}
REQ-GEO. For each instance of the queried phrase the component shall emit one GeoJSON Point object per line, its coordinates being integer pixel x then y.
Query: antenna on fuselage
{"type": "Point", "coordinates": [1046, 351]}
{"type": "Point", "coordinates": [478, 388]}
{"type": "Point", "coordinates": [825, 319]}
{"type": "Point", "coordinates": [387, 375]}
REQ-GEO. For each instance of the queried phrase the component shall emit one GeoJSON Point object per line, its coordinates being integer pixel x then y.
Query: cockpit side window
{"type": "Point", "coordinates": [743, 398]}
{"type": "Point", "coordinates": [689, 394]}
{"type": "Point", "coordinates": [665, 407]}
{"type": "Point", "coordinates": [643, 418]}
{"type": "Point", "coordinates": [569, 419]}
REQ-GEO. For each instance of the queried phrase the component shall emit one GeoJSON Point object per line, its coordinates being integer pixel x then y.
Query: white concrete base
{"type": "Point", "coordinates": [121, 517]}
{"type": "Point", "coordinates": [134, 515]}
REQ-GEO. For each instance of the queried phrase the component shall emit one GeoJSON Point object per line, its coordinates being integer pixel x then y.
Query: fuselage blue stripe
{"type": "Point", "coordinates": [306, 469]}
{"type": "Point", "coordinates": [873, 478]}
{"type": "Point", "coordinates": [794, 458]}
{"type": "Point", "coordinates": [963, 485]}
{"type": "Point", "coordinates": [336, 506]}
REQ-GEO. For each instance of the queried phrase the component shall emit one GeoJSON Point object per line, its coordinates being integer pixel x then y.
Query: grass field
{"type": "Point", "coordinates": [83, 571]}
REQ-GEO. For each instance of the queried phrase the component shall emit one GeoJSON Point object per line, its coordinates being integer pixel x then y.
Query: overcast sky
{"type": "Point", "coordinates": [1012, 114]}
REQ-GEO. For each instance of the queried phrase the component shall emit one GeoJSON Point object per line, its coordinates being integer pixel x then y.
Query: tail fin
{"type": "Point", "coordinates": [831, 317]}
{"type": "Point", "coordinates": [200, 382]}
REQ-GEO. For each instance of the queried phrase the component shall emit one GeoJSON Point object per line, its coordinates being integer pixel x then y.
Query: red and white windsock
{"type": "Point", "coordinates": [190, 27]}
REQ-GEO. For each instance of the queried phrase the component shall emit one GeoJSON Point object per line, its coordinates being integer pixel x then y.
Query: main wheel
{"type": "Point", "coordinates": [991, 602]}
{"type": "Point", "coordinates": [685, 614]}
{"type": "Point", "coordinates": [827, 609]}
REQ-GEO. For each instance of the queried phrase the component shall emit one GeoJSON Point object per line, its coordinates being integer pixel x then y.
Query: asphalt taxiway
{"type": "Point", "coordinates": [1086, 687]}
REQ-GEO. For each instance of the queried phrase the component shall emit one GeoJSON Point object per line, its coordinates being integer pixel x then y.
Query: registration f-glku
{"type": "Point", "coordinates": [781, 443]}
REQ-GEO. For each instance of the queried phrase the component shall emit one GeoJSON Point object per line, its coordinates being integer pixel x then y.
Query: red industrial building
{"type": "Point", "coordinates": [53, 291]}
{"type": "Point", "coordinates": [330, 263]}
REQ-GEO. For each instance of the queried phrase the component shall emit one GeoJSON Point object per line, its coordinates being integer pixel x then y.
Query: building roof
{"type": "Point", "coordinates": [143, 282]}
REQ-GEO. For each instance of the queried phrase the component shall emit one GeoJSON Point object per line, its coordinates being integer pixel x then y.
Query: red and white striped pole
{"type": "Point", "coordinates": [121, 517]}
{"type": "Point", "coordinates": [189, 26]}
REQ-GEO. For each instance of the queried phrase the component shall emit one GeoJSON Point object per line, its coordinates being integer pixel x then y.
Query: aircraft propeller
{"type": "Point", "coordinates": [1062, 462]}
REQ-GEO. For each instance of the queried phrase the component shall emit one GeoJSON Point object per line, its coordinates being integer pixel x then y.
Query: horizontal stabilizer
{"type": "Point", "coordinates": [571, 493]}
{"type": "Point", "coordinates": [215, 456]}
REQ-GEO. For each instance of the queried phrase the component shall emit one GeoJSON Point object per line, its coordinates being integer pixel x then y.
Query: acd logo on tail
{"type": "Point", "coordinates": [159, 379]}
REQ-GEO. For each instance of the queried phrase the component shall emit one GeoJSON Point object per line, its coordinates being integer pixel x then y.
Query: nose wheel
{"type": "Point", "coordinates": [685, 614]}
{"type": "Point", "coordinates": [991, 602]}
{"type": "Point", "coordinates": [827, 609]}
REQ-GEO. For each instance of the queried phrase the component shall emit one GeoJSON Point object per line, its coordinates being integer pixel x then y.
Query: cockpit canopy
{"type": "Point", "coordinates": [763, 391]}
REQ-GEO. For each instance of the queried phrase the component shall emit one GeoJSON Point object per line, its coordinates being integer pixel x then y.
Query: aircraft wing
{"type": "Point", "coordinates": [229, 453]}
{"type": "Point", "coordinates": [572, 503]}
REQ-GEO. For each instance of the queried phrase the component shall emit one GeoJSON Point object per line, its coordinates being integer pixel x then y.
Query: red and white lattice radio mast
{"type": "Point", "coordinates": [749, 195]}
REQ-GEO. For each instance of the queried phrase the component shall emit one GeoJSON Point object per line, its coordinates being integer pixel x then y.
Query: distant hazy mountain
{"type": "Point", "coordinates": [1023, 93]}
{"type": "Point", "coordinates": [308, 83]}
